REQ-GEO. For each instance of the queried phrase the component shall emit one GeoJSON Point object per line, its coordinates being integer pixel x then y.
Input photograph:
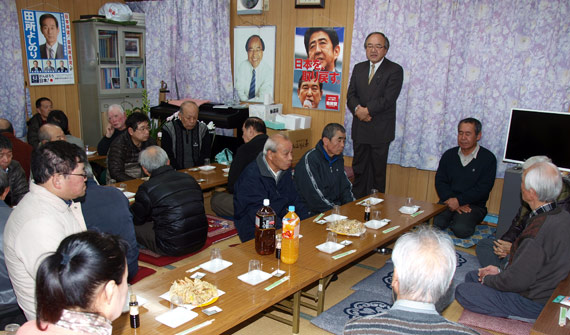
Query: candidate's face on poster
{"type": "Point", "coordinates": [375, 48]}
{"type": "Point", "coordinates": [254, 52]}
{"type": "Point", "coordinates": [50, 30]}
{"type": "Point", "coordinates": [310, 93]}
{"type": "Point", "coordinates": [36, 64]}
{"type": "Point", "coordinates": [61, 63]}
{"type": "Point", "coordinates": [321, 48]}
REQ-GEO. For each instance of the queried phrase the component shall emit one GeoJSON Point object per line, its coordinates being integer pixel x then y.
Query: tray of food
{"type": "Point", "coordinates": [347, 227]}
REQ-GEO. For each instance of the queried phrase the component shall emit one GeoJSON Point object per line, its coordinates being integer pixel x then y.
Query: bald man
{"type": "Point", "coordinates": [49, 133]}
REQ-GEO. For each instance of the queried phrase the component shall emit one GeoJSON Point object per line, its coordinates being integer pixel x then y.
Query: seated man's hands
{"type": "Point", "coordinates": [501, 248]}
{"type": "Point", "coordinates": [452, 204]}
{"type": "Point", "coordinates": [463, 209]}
{"type": "Point", "coordinates": [488, 270]}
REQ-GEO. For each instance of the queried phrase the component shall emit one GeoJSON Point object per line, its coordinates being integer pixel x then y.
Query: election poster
{"type": "Point", "coordinates": [254, 63]}
{"type": "Point", "coordinates": [317, 77]}
{"type": "Point", "coordinates": [47, 37]}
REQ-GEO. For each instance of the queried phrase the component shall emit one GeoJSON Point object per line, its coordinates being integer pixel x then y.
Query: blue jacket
{"type": "Point", "coordinates": [256, 183]}
{"type": "Point", "coordinates": [106, 209]}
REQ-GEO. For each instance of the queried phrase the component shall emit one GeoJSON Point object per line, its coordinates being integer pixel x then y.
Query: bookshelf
{"type": "Point", "coordinates": [111, 70]}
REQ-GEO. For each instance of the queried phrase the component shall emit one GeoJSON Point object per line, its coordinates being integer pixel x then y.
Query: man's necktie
{"type": "Point", "coordinates": [51, 55]}
{"type": "Point", "coordinates": [252, 86]}
{"type": "Point", "coordinates": [371, 73]}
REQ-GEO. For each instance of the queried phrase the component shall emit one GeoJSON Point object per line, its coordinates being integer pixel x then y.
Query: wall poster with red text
{"type": "Point", "coordinates": [317, 78]}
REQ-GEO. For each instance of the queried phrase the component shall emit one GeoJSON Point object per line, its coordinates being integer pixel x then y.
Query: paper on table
{"type": "Point", "coordinates": [129, 194]}
{"type": "Point", "coordinates": [334, 217]}
{"type": "Point", "coordinates": [372, 201]}
{"type": "Point", "coordinates": [213, 266]}
{"type": "Point", "coordinates": [176, 317]}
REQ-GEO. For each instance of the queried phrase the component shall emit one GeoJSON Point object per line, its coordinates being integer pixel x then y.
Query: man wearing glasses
{"type": "Point", "coordinates": [45, 216]}
{"type": "Point", "coordinates": [372, 93]}
{"type": "Point", "coordinates": [254, 78]}
{"type": "Point", "coordinates": [123, 155]}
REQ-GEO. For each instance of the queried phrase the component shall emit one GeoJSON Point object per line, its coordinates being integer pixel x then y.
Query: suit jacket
{"type": "Point", "coordinates": [58, 53]}
{"type": "Point", "coordinates": [380, 98]}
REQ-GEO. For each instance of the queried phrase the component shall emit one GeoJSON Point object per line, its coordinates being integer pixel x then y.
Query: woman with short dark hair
{"type": "Point", "coordinates": [80, 288]}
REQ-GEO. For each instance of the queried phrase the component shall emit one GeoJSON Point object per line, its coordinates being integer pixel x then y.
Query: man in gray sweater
{"type": "Point", "coordinates": [538, 258]}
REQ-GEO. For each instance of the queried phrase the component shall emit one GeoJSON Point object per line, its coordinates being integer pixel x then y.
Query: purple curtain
{"type": "Point", "coordinates": [467, 58]}
{"type": "Point", "coordinates": [187, 46]}
{"type": "Point", "coordinates": [12, 92]}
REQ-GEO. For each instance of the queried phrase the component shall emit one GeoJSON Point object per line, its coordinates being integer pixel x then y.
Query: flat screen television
{"type": "Point", "coordinates": [533, 133]}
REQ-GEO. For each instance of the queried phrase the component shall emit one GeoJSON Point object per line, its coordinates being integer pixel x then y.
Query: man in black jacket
{"type": "Point", "coordinates": [122, 160]}
{"type": "Point", "coordinates": [168, 212]}
{"type": "Point", "coordinates": [254, 136]}
{"type": "Point", "coordinates": [319, 175]}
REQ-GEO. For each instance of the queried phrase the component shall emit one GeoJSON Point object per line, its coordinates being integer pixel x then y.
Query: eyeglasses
{"type": "Point", "coordinates": [143, 129]}
{"type": "Point", "coordinates": [374, 46]}
{"type": "Point", "coordinates": [84, 175]}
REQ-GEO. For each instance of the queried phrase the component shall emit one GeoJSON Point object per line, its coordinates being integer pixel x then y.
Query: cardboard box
{"type": "Point", "coordinates": [291, 122]}
{"type": "Point", "coordinates": [265, 112]}
{"type": "Point", "coordinates": [305, 120]}
{"type": "Point", "coordinates": [300, 138]}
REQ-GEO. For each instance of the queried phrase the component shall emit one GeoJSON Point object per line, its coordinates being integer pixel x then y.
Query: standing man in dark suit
{"type": "Point", "coordinates": [372, 93]}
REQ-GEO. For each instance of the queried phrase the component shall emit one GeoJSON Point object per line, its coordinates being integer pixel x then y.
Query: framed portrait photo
{"type": "Point", "coordinates": [132, 47]}
{"type": "Point", "coordinates": [309, 3]}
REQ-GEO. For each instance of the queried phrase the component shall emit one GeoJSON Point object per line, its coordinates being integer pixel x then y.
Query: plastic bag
{"type": "Point", "coordinates": [225, 157]}
{"type": "Point", "coordinates": [116, 11]}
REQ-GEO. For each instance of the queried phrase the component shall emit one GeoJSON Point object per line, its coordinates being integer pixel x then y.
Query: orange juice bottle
{"type": "Point", "coordinates": [290, 242]}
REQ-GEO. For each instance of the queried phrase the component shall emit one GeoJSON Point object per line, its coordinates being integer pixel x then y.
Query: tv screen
{"type": "Point", "coordinates": [533, 133]}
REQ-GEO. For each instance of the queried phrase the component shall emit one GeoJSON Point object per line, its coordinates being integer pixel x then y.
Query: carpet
{"type": "Point", "coordinates": [501, 325]}
{"type": "Point", "coordinates": [142, 273]}
{"type": "Point", "coordinates": [380, 282]}
{"type": "Point", "coordinates": [360, 303]}
{"type": "Point", "coordinates": [481, 231]}
{"type": "Point", "coordinates": [219, 229]}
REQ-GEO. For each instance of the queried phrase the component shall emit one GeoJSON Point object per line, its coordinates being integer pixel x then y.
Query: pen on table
{"type": "Point", "coordinates": [203, 324]}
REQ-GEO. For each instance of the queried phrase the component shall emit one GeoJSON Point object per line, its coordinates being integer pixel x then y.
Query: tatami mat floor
{"type": "Point", "coordinates": [336, 291]}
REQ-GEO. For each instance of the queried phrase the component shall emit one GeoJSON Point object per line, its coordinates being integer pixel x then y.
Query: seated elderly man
{"type": "Point", "coordinates": [50, 132]}
{"type": "Point", "coordinates": [491, 251]}
{"type": "Point", "coordinates": [116, 118]}
{"type": "Point", "coordinates": [59, 118]}
{"type": "Point", "coordinates": [268, 177]}
{"type": "Point", "coordinates": [424, 264]}
{"type": "Point", "coordinates": [16, 175]}
{"type": "Point", "coordinates": [123, 157]}
{"type": "Point", "coordinates": [538, 258]}
{"type": "Point", "coordinates": [43, 107]}
{"type": "Point", "coordinates": [320, 176]}
{"type": "Point", "coordinates": [254, 137]}
{"type": "Point", "coordinates": [185, 140]}
{"type": "Point", "coordinates": [168, 212]}
{"type": "Point", "coordinates": [464, 179]}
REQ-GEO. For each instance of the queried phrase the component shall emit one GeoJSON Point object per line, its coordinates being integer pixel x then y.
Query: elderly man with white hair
{"type": "Point", "coordinates": [538, 258]}
{"type": "Point", "coordinates": [493, 251]}
{"type": "Point", "coordinates": [424, 264]}
{"type": "Point", "coordinates": [168, 212]}
{"type": "Point", "coordinates": [116, 118]}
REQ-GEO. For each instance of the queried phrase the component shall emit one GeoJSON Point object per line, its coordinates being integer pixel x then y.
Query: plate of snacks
{"type": "Point", "coordinates": [192, 293]}
{"type": "Point", "coordinates": [347, 227]}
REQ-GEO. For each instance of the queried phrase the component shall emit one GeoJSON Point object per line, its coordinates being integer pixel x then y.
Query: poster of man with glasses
{"type": "Point", "coordinates": [254, 62]}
